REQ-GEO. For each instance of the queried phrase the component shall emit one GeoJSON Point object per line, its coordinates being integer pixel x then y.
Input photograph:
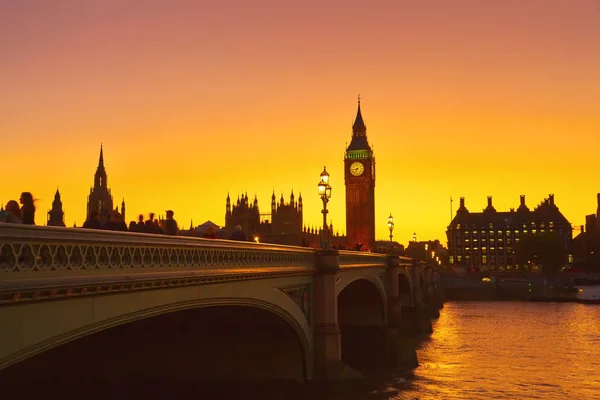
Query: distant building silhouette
{"type": "Point", "coordinates": [100, 198]}
{"type": "Point", "coordinates": [244, 214]}
{"type": "Point", "coordinates": [56, 214]}
{"type": "Point", "coordinates": [485, 241]}
{"type": "Point", "coordinates": [586, 245]}
{"type": "Point", "coordinates": [359, 172]}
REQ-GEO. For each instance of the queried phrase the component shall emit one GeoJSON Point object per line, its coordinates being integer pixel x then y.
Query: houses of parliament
{"type": "Point", "coordinates": [283, 224]}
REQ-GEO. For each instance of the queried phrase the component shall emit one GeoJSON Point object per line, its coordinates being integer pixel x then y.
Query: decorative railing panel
{"type": "Point", "coordinates": [353, 259]}
{"type": "Point", "coordinates": [49, 250]}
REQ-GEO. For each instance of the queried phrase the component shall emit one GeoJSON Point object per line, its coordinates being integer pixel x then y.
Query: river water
{"type": "Point", "coordinates": [506, 350]}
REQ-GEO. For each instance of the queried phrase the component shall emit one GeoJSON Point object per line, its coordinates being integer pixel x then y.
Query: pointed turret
{"type": "Point", "coordinates": [123, 210]}
{"type": "Point", "coordinates": [273, 202]}
{"type": "Point", "coordinates": [359, 127]}
{"type": "Point", "coordinates": [292, 202]}
{"type": "Point", "coordinates": [255, 203]}
{"type": "Point", "coordinates": [101, 159]}
{"type": "Point", "coordinates": [56, 214]}
{"type": "Point", "coordinates": [228, 204]}
{"type": "Point", "coordinates": [359, 133]}
{"type": "Point", "coordinates": [300, 203]}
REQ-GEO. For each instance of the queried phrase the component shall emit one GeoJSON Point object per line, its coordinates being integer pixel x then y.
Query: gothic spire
{"type": "Point", "coordinates": [101, 160]}
{"type": "Point", "coordinates": [359, 128]}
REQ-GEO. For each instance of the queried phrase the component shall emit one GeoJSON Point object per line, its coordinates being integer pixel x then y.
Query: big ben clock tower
{"type": "Point", "coordinates": [359, 173]}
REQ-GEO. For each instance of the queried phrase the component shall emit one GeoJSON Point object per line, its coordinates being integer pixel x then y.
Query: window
{"type": "Point", "coordinates": [534, 231]}
{"type": "Point", "coordinates": [491, 226]}
{"type": "Point", "coordinates": [499, 232]}
{"type": "Point", "coordinates": [467, 248]}
{"type": "Point", "coordinates": [484, 259]}
{"type": "Point", "coordinates": [457, 226]}
{"type": "Point", "coordinates": [542, 225]}
{"type": "Point", "coordinates": [524, 230]}
{"type": "Point", "coordinates": [551, 224]}
{"type": "Point", "coordinates": [491, 233]}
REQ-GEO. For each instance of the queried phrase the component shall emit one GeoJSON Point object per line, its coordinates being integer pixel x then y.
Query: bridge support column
{"type": "Point", "coordinates": [327, 340]}
{"type": "Point", "coordinates": [402, 348]}
{"type": "Point", "coordinates": [418, 314]}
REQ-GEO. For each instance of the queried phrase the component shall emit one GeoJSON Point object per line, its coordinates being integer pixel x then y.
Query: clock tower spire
{"type": "Point", "coordinates": [359, 173]}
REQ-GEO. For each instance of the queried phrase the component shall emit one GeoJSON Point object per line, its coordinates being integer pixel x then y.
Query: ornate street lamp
{"type": "Point", "coordinates": [325, 193]}
{"type": "Point", "coordinates": [391, 226]}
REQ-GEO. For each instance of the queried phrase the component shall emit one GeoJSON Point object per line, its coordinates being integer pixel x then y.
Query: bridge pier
{"type": "Point", "coordinates": [328, 363]}
{"type": "Point", "coordinates": [400, 337]}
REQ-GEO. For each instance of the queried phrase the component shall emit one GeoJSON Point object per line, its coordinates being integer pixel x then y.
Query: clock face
{"type": "Point", "coordinates": [357, 168]}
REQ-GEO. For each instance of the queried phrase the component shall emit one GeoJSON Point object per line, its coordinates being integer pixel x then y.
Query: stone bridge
{"type": "Point", "coordinates": [82, 303]}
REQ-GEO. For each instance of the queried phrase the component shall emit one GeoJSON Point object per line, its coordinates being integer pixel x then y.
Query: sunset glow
{"type": "Point", "coordinates": [195, 100]}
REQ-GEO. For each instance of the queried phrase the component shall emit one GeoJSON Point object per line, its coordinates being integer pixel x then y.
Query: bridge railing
{"type": "Point", "coordinates": [355, 259]}
{"type": "Point", "coordinates": [36, 256]}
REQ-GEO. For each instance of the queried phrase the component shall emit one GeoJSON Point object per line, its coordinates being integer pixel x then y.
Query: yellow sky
{"type": "Point", "coordinates": [194, 102]}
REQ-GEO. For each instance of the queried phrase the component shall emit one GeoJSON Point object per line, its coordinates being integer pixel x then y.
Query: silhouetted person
{"type": "Point", "coordinates": [140, 226]}
{"type": "Point", "coordinates": [238, 234]}
{"type": "Point", "coordinates": [149, 224]}
{"type": "Point", "coordinates": [28, 209]}
{"type": "Point", "coordinates": [12, 213]}
{"type": "Point", "coordinates": [133, 227]}
{"type": "Point", "coordinates": [93, 222]}
{"type": "Point", "coordinates": [114, 222]}
{"type": "Point", "coordinates": [171, 224]}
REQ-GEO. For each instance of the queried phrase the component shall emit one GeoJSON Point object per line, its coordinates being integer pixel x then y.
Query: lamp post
{"type": "Point", "coordinates": [325, 193]}
{"type": "Point", "coordinates": [391, 226]}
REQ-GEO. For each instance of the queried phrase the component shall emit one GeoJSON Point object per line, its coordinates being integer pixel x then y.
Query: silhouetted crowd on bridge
{"type": "Point", "coordinates": [114, 222]}
{"type": "Point", "coordinates": [23, 214]}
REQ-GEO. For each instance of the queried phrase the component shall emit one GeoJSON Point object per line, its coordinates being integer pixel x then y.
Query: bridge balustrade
{"type": "Point", "coordinates": [62, 261]}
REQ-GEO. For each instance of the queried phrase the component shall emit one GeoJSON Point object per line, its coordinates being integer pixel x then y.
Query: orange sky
{"type": "Point", "coordinates": [195, 99]}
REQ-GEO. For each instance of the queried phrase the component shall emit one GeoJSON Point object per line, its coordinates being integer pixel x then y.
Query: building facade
{"type": "Point", "coordinates": [486, 240]}
{"type": "Point", "coordinates": [242, 213]}
{"type": "Point", "coordinates": [56, 214]}
{"type": "Point", "coordinates": [100, 198]}
{"type": "Point", "coordinates": [359, 174]}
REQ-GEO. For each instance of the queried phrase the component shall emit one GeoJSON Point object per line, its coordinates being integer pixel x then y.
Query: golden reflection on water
{"type": "Point", "coordinates": [498, 350]}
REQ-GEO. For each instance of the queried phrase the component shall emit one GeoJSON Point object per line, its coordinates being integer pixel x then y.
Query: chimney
{"type": "Point", "coordinates": [598, 197]}
{"type": "Point", "coordinates": [462, 201]}
{"type": "Point", "coordinates": [523, 200]}
{"type": "Point", "coordinates": [582, 228]}
{"type": "Point", "coordinates": [551, 198]}
{"type": "Point", "coordinates": [490, 201]}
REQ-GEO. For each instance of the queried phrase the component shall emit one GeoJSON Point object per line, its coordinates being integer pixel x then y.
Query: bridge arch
{"type": "Point", "coordinates": [362, 321]}
{"type": "Point", "coordinates": [405, 288]}
{"type": "Point", "coordinates": [193, 330]}
{"type": "Point", "coordinates": [361, 301]}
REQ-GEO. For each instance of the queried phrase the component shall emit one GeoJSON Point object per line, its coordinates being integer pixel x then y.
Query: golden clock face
{"type": "Point", "coordinates": [357, 168]}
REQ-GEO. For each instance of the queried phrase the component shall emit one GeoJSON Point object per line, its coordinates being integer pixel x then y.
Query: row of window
{"type": "Point", "coordinates": [533, 225]}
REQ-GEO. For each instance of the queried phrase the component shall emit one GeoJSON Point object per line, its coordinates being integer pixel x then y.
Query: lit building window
{"type": "Point", "coordinates": [457, 226]}
{"type": "Point", "coordinates": [467, 248]}
{"type": "Point", "coordinates": [551, 224]}
{"type": "Point", "coordinates": [570, 258]}
{"type": "Point", "coordinates": [534, 231]}
{"type": "Point", "coordinates": [542, 225]}
{"type": "Point", "coordinates": [524, 230]}
{"type": "Point", "coordinates": [484, 259]}
{"type": "Point", "coordinates": [491, 226]}
{"type": "Point", "coordinates": [499, 232]}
